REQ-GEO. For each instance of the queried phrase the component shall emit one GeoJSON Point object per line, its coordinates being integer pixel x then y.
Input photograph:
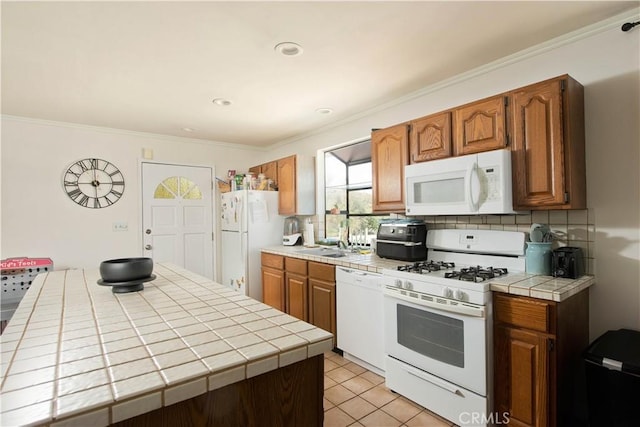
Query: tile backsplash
{"type": "Point", "coordinates": [570, 228]}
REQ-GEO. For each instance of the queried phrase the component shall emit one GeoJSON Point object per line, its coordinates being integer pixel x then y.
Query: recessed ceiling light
{"type": "Point", "coordinates": [221, 102]}
{"type": "Point", "coordinates": [289, 49]}
{"type": "Point", "coordinates": [188, 129]}
{"type": "Point", "coordinates": [324, 110]}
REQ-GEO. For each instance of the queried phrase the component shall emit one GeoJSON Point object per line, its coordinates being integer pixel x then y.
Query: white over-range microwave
{"type": "Point", "coordinates": [465, 185]}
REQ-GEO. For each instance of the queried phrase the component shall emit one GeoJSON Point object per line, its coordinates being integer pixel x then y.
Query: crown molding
{"type": "Point", "coordinates": [565, 39]}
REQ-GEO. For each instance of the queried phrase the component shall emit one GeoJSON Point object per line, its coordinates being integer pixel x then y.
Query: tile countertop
{"type": "Point", "coordinates": [530, 285]}
{"type": "Point", "coordinates": [74, 353]}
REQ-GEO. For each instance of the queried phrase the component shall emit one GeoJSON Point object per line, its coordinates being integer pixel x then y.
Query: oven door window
{"type": "Point", "coordinates": [430, 334]}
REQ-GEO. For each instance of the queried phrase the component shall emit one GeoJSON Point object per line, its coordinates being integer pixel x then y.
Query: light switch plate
{"type": "Point", "coordinates": [120, 226]}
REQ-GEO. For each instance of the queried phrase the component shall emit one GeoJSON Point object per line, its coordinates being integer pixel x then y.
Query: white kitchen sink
{"type": "Point", "coordinates": [328, 252]}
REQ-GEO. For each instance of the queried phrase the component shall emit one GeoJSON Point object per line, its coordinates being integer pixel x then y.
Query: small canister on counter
{"type": "Point", "coordinates": [538, 258]}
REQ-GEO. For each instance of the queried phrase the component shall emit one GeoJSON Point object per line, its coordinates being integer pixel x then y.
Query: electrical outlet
{"type": "Point", "coordinates": [120, 226]}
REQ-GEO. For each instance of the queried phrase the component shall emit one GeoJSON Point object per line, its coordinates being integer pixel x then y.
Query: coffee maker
{"type": "Point", "coordinates": [291, 234]}
{"type": "Point", "coordinates": [567, 262]}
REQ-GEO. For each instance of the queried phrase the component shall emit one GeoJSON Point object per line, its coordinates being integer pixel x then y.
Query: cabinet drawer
{"type": "Point", "coordinates": [295, 265]}
{"type": "Point", "coordinates": [321, 271]}
{"type": "Point", "coordinates": [525, 312]}
{"type": "Point", "coordinates": [273, 261]}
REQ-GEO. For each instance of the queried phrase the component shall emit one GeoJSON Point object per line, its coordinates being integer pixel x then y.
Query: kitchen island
{"type": "Point", "coordinates": [185, 350]}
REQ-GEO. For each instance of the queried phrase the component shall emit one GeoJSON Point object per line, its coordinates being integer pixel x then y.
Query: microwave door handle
{"type": "Point", "coordinates": [472, 172]}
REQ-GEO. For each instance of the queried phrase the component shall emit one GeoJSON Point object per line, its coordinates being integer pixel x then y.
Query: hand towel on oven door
{"type": "Point", "coordinates": [403, 240]}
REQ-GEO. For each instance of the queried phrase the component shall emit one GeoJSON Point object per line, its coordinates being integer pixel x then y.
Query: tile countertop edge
{"type": "Point", "coordinates": [531, 285]}
{"type": "Point", "coordinates": [195, 298]}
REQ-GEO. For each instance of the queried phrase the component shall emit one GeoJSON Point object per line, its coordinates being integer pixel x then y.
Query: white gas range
{"type": "Point", "coordinates": [438, 321]}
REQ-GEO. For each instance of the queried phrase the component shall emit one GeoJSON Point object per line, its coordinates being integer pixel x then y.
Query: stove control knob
{"type": "Point", "coordinates": [398, 283]}
{"type": "Point", "coordinates": [408, 285]}
{"type": "Point", "coordinates": [447, 293]}
{"type": "Point", "coordinates": [460, 295]}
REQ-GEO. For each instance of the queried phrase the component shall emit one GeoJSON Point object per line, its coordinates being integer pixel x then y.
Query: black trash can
{"type": "Point", "coordinates": [613, 379]}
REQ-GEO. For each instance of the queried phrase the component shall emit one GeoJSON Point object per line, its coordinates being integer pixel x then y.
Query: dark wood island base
{"type": "Point", "coordinates": [289, 396]}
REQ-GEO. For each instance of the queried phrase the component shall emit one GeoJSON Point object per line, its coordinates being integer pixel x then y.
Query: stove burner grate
{"type": "Point", "coordinates": [476, 274]}
{"type": "Point", "coordinates": [422, 267]}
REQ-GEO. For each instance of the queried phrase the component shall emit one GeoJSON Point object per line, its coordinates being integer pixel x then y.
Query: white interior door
{"type": "Point", "coordinates": [177, 215]}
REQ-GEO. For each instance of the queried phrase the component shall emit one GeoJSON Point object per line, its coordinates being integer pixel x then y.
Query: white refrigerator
{"type": "Point", "coordinates": [249, 222]}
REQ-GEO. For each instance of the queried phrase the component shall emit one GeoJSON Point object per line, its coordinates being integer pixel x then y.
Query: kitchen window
{"type": "Point", "coordinates": [348, 196]}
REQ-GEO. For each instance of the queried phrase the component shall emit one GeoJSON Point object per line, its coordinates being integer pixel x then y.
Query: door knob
{"type": "Point", "coordinates": [148, 247]}
{"type": "Point", "coordinates": [148, 231]}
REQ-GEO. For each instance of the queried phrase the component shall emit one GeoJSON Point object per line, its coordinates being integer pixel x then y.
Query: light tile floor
{"type": "Point", "coordinates": [354, 396]}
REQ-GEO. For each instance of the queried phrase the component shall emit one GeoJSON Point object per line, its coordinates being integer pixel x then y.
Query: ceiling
{"type": "Point", "coordinates": [156, 66]}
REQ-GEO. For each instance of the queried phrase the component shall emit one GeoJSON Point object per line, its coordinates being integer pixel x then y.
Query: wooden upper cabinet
{"type": "Point", "coordinates": [269, 170]}
{"type": "Point", "coordinates": [548, 146]}
{"type": "Point", "coordinates": [255, 170]}
{"type": "Point", "coordinates": [296, 185]}
{"type": "Point", "coordinates": [481, 126]}
{"type": "Point", "coordinates": [287, 186]}
{"type": "Point", "coordinates": [430, 138]}
{"type": "Point", "coordinates": [389, 156]}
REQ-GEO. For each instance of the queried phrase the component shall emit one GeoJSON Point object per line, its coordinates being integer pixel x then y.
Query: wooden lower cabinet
{"type": "Point", "coordinates": [538, 366]}
{"type": "Point", "coordinates": [322, 297]}
{"type": "Point", "coordinates": [303, 289]}
{"type": "Point", "coordinates": [273, 290]}
{"type": "Point", "coordinates": [296, 285]}
{"type": "Point", "coordinates": [296, 295]}
{"type": "Point", "coordinates": [522, 376]}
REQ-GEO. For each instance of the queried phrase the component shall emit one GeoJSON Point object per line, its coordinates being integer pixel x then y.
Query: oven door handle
{"type": "Point", "coordinates": [433, 380]}
{"type": "Point", "coordinates": [459, 309]}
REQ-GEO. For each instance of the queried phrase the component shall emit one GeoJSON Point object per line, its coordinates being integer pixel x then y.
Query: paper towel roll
{"type": "Point", "coordinates": [309, 238]}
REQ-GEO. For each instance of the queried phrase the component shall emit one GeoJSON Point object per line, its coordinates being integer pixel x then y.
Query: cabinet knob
{"type": "Point", "coordinates": [148, 247]}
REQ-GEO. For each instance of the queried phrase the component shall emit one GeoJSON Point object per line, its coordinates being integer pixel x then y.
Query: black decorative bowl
{"type": "Point", "coordinates": [125, 269]}
{"type": "Point", "coordinates": [128, 286]}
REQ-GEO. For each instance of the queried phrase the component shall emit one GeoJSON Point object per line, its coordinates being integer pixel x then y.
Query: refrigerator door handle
{"type": "Point", "coordinates": [243, 247]}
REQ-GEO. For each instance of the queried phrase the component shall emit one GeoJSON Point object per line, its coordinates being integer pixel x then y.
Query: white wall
{"type": "Point", "coordinates": [39, 220]}
{"type": "Point", "coordinates": [607, 62]}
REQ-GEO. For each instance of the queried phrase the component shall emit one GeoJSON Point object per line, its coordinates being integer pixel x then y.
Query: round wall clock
{"type": "Point", "coordinates": [94, 183]}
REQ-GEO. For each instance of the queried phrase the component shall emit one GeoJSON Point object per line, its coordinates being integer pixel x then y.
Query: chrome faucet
{"type": "Point", "coordinates": [342, 245]}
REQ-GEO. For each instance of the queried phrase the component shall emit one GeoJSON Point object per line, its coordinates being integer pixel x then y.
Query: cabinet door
{"type": "Point", "coordinates": [296, 293]}
{"type": "Point", "coordinates": [521, 372]}
{"type": "Point", "coordinates": [430, 138]}
{"type": "Point", "coordinates": [270, 171]}
{"type": "Point", "coordinates": [322, 305]}
{"type": "Point", "coordinates": [481, 126]}
{"type": "Point", "coordinates": [273, 292]}
{"type": "Point", "coordinates": [287, 186]}
{"type": "Point", "coordinates": [539, 157]}
{"type": "Point", "coordinates": [389, 156]}
{"type": "Point", "coordinates": [255, 170]}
